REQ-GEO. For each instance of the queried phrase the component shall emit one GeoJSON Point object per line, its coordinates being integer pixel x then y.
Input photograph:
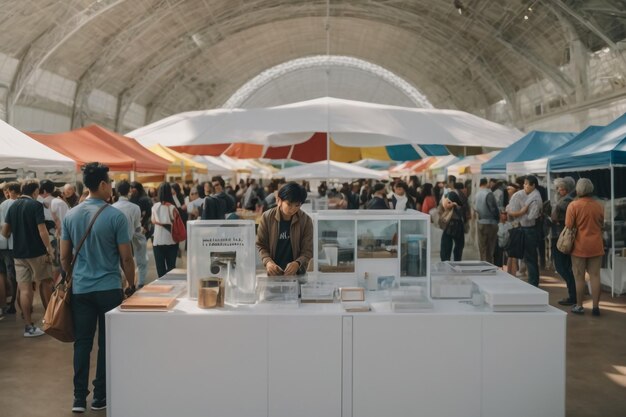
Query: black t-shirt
{"type": "Point", "coordinates": [284, 252]}
{"type": "Point", "coordinates": [23, 216]}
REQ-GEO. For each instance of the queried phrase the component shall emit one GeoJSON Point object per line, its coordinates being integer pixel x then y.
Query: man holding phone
{"type": "Point", "coordinates": [285, 234]}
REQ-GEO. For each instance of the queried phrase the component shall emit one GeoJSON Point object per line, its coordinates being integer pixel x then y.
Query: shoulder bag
{"type": "Point", "coordinates": [565, 244]}
{"type": "Point", "coordinates": [515, 245]}
{"type": "Point", "coordinates": [57, 320]}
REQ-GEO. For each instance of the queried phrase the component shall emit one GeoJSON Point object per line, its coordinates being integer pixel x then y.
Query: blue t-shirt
{"type": "Point", "coordinates": [97, 267]}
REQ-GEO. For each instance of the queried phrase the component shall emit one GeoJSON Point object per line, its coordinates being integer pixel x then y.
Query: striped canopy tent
{"type": "Point", "coordinates": [437, 171]}
{"type": "Point", "coordinates": [179, 163]}
{"type": "Point", "coordinates": [314, 149]}
{"type": "Point", "coordinates": [413, 167]}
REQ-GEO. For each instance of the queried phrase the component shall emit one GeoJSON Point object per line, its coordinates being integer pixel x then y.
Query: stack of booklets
{"type": "Point", "coordinates": [152, 297]}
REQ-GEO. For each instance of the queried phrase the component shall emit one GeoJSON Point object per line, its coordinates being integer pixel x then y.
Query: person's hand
{"type": "Point", "coordinates": [273, 269]}
{"type": "Point", "coordinates": [129, 291]}
{"type": "Point", "coordinates": [524, 209]}
{"type": "Point", "coordinates": [292, 268]}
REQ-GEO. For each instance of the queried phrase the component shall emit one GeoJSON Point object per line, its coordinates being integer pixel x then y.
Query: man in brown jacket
{"type": "Point", "coordinates": [285, 234]}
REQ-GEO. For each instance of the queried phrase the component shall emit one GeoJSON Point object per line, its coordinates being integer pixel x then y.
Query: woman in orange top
{"type": "Point", "coordinates": [587, 216]}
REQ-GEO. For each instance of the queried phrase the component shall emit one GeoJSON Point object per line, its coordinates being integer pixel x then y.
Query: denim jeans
{"type": "Point", "coordinates": [563, 265]}
{"type": "Point", "coordinates": [88, 310]}
{"type": "Point", "coordinates": [165, 258]}
{"type": "Point", "coordinates": [446, 247]}
{"type": "Point", "coordinates": [531, 239]}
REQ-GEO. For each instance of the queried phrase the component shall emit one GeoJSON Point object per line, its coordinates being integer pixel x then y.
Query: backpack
{"type": "Point", "coordinates": [214, 209]}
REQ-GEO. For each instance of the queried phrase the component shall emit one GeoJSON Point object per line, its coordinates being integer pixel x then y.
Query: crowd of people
{"type": "Point", "coordinates": [42, 226]}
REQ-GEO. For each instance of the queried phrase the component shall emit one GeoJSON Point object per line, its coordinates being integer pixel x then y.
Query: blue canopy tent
{"type": "Point", "coordinates": [540, 166]}
{"type": "Point", "coordinates": [531, 146]}
{"type": "Point", "coordinates": [599, 157]}
{"type": "Point", "coordinates": [410, 153]}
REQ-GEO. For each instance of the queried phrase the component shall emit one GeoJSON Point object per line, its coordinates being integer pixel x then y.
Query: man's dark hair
{"type": "Point", "coordinates": [219, 179]}
{"type": "Point", "coordinates": [483, 181]}
{"type": "Point", "coordinates": [378, 187]}
{"type": "Point", "coordinates": [29, 187]}
{"type": "Point", "coordinates": [93, 174]}
{"type": "Point", "coordinates": [47, 186]}
{"type": "Point", "coordinates": [165, 193]}
{"type": "Point", "coordinates": [459, 186]}
{"type": "Point", "coordinates": [293, 193]}
{"type": "Point", "coordinates": [451, 178]}
{"type": "Point", "coordinates": [532, 180]}
{"type": "Point", "coordinates": [123, 187]}
{"type": "Point", "coordinates": [14, 186]}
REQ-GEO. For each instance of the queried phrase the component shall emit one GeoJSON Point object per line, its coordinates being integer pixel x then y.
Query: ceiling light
{"type": "Point", "coordinates": [525, 17]}
{"type": "Point", "coordinates": [460, 7]}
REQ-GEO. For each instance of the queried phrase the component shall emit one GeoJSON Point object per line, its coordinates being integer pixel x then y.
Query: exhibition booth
{"type": "Point", "coordinates": [371, 329]}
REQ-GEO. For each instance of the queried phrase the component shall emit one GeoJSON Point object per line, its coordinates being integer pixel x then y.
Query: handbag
{"type": "Point", "coordinates": [515, 246]}
{"type": "Point", "coordinates": [179, 232]}
{"type": "Point", "coordinates": [565, 244]}
{"type": "Point", "coordinates": [57, 320]}
{"type": "Point", "coordinates": [444, 218]}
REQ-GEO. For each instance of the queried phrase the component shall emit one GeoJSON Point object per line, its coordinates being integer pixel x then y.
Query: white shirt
{"type": "Point", "coordinates": [4, 208]}
{"type": "Point", "coordinates": [160, 214]}
{"type": "Point", "coordinates": [58, 209]}
{"type": "Point", "coordinates": [46, 207]}
{"type": "Point", "coordinates": [132, 213]}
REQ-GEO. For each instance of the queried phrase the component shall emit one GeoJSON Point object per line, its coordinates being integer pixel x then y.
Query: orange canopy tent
{"type": "Point", "coordinates": [94, 143]}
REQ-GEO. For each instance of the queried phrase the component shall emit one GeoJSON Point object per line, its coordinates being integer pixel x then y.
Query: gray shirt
{"type": "Point", "coordinates": [534, 203]}
{"type": "Point", "coordinates": [486, 207]}
{"type": "Point", "coordinates": [132, 213]}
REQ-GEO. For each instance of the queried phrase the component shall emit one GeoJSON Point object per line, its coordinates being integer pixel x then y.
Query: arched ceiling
{"type": "Point", "coordinates": [178, 55]}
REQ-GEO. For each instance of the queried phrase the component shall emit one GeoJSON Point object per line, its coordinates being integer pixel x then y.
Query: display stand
{"type": "Point", "coordinates": [455, 359]}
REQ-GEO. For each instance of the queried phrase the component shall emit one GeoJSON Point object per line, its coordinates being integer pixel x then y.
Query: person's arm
{"type": "Point", "coordinates": [306, 248]}
{"type": "Point", "coordinates": [128, 263]}
{"type": "Point", "coordinates": [492, 205]}
{"type": "Point", "coordinates": [6, 230]}
{"type": "Point", "coordinates": [45, 237]}
{"type": "Point", "coordinates": [263, 246]}
{"type": "Point", "coordinates": [66, 254]}
{"type": "Point", "coordinates": [534, 210]}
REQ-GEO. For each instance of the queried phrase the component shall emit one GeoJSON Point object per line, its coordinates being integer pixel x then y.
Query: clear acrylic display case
{"type": "Point", "coordinates": [223, 249]}
{"type": "Point", "coordinates": [448, 282]}
{"type": "Point", "coordinates": [376, 249]}
{"type": "Point", "coordinates": [277, 291]}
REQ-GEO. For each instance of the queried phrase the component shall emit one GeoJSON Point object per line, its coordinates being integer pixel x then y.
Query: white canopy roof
{"type": "Point", "coordinates": [329, 170]}
{"type": "Point", "coordinates": [215, 165]}
{"type": "Point", "coordinates": [351, 123]}
{"type": "Point", "coordinates": [18, 150]}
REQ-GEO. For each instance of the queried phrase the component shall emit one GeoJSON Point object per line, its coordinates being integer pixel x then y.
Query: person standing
{"type": "Point", "coordinates": [562, 262]}
{"type": "Point", "coordinates": [488, 216]}
{"type": "Point", "coordinates": [587, 216]}
{"type": "Point", "coordinates": [69, 195]}
{"type": "Point", "coordinates": [531, 211]}
{"type": "Point", "coordinates": [401, 200]}
{"type": "Point", "coordinates": [133, 218]}
{"type": "Point", "coordinates": [451, 208]}
{"type": "Point", "coordinates": [379, 198]}
{"type": "Point", "coordinates": [218, 186]}
{"type": "Point", "coordinates": [285, 235]}
{"type": "Point", "coordinates": [12, 191]}
{"type": "Point", "coordinates": [139, 197]}
{"type": "Point", "coordinates": [97, 284]}
{"type": "Point", "coordinates": [32, 251]}
{"type": "Point", "coordinates": [163, 245]}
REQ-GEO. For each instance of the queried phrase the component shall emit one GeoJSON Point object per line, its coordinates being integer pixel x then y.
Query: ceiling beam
{"type": "Point", "coordinates": [47, 43]}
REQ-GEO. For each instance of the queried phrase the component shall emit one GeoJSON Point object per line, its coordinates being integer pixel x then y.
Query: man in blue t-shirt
{"type": "Point", "coordinates": [97, 285]}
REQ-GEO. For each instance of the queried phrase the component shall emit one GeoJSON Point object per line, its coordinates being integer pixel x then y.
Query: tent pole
{"type": "Point", "coordinates": [612, 255]}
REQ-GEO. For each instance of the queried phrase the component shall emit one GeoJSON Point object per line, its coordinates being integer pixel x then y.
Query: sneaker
{"type": "Point", "coordinates": [566, 302]}
{"type": "Point", "coordinates": [99, 404]}
{"type": "Point", "coordinates": [79, 406]}
{"type": "Point", "coordinates": [32, 331]}
{"type": "Point", "coordinates": [595, 311]}
{"type": "Point", "coordinates": [578, 309]}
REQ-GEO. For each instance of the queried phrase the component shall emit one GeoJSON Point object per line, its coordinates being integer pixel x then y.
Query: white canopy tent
{"type": "Point", "coordinates": [350, 123]}
{"type": "Point", "coordinates": [19, 151]}
{"type": "Point", "coordinates": [215, 165]}
{"type": "Point", "coordinates": [329, 170]}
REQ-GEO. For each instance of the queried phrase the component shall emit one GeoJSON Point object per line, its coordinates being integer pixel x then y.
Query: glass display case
{"type": "Point", "coordinates": [222, 249]}
{"type": "Point", "coordinates": [375, 249]}
{"type": "Point", "coordinates": [275, 291]}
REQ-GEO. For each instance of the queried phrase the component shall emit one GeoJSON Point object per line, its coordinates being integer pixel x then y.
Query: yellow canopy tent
{"type": "Point", "coordinates": [180, 163]}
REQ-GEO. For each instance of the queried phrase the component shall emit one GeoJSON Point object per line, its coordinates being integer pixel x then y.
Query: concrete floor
{"type": "Point", "coordinates": [36, 374]}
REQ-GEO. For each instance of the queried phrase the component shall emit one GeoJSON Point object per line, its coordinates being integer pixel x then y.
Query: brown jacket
{"type": "Point", "coordinates": [587, 216]}
{"type": "Point", "coordinates": [301, 233]}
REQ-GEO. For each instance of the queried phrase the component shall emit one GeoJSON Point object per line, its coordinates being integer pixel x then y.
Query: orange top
{"type": "Point", "coordinates": [587, 216]}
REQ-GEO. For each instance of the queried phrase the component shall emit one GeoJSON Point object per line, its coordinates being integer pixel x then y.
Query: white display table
{"type": "Point", "coordinates": [318, 361]}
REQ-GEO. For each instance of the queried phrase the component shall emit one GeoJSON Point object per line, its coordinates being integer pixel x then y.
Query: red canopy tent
{"type": "Point", "coordinates": [94, 143]}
